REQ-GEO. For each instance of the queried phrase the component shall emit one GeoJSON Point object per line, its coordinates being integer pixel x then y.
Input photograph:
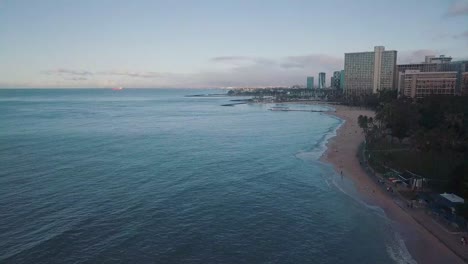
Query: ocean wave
{"type": "Point", "coordinates": [318, 149]}
{"type": "Point", "coordinates": [395, 245]}
{"type": "Point", "coordinates": [209, 195]}
{"type": "Point", "coordinates": [398, 251]}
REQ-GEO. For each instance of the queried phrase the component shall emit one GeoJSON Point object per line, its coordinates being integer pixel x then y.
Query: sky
{"type": "Point", "coordinates": [204, 44]}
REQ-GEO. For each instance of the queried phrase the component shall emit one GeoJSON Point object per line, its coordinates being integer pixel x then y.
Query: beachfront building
{"type": "Point", "coordinates": [310, 82]}
{"type": "Point", "coordinates": [321, 80]}
{"type": "Point", "coordinates": [335, 80]}
{"type": "Point", "coordinates": [423, 67]}
{"type": "Point", "coordinates": [370, 72]}
{"type": "Point", "coordinates": [464, 84]}
{"type": "Point", "coordinates": [342, 83]}
{"type": "Point", "coordinates": [438, 64]}
{"type": "Point", "coordinates": [430, 64]}
{"type": "Point", "coordinates": [460, 67]}
{"type": "Point", "coordinates": [440, 59]}
{"type": "Point", "coordinates": [417, 84]}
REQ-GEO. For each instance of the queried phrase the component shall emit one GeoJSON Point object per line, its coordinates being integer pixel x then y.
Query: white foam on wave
{"type": "Point", "coordinates": [323, 144]}
{"type": "Point", "coordinates": [398, 251]}
{"type": "Point", "coordinates": [319, 149]}
{"type": "Point", "coordinates": [395, 245]}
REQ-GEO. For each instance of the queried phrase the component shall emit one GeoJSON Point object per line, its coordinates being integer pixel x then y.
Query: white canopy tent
{"type": "Point", "coordinates": [452, 197]}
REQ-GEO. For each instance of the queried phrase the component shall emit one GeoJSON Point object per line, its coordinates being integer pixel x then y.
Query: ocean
{"type": "Point", "coordinates": [153, 176]}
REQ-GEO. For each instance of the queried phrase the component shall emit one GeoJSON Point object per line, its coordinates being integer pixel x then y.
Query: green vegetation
{"type": "Point", "coordinates": [283, 94]}
{"type": "Point", "coordinates": [428, 137]}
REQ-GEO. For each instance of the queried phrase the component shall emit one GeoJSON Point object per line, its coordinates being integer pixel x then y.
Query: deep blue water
{"type": "Point", "coordinates": [151, 176]}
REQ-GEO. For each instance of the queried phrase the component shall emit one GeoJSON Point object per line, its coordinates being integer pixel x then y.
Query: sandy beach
{"type": "Point", "coordinates": [420, 240]}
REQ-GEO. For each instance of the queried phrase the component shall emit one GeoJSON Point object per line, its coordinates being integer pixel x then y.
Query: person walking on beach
{"type": "Point", "coordinates": [341, 174]}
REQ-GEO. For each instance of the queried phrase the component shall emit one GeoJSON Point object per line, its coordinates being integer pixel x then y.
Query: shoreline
{"type": "Point", "coordinates": [342, 153]}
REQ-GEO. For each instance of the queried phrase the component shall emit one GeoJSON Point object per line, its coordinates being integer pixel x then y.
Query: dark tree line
{"type": "Point", "coordinates": [435, 124]}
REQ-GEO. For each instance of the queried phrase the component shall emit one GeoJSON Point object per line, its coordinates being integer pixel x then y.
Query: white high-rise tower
{"type": "Point", "coordinates": [370, 72]}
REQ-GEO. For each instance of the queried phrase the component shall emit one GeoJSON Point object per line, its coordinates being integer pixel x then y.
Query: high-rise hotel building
{"type": "Point", "coordinates": [321, 80]}
{"type": "Point", "coordinates": [310, 82]}
{"type": "Point", "coordinates": [370, 72]}
{"type": "Point", "coordinates": [335, 80]}
{"type": "Point", "coordinates": [432, 67]}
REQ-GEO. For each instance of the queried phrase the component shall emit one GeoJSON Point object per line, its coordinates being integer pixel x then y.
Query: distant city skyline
{"type": "Point", "coordinates": [208, 44]}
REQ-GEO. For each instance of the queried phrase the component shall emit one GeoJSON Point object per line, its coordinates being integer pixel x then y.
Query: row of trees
{"type": "Point", "coordinates": [369, 100]}
{"type": "Point", "coordinates": [435, 125]}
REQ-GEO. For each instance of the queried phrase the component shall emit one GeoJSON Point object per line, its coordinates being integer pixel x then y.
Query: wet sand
{"type": "Point", "coordinates": [342, 153]}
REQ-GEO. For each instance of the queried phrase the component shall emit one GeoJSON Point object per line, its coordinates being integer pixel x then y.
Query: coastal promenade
{"type": "Point", "coordinates": [420, 214]}
{"type": "Point", "coordinates": [425, 239]}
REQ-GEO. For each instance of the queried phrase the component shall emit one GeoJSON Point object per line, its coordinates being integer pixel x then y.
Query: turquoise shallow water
{"type": "Point", "coordinates": [151, 176]}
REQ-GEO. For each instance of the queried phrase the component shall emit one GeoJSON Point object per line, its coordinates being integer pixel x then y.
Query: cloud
{"type": "Point", "coordinates": [458, 8]}
{"type": "Point", "coordinates": [77, 79]}
{"type": "Point", "coordinates": [242, 60]}
{"type": "Point", "coordinates": [314, 60]}
{"type": "Point", "coordinates": [415, 56]}
{"type": "Point", "coordinates": [255, 71]}
{"type": "Point", "coordinates": [136, 74]}
{"type": "Point", "coordinates": [230, 58]}
{"type": "Point", "coordinates": [463, 35]}
{"type": "Point", "coordinates": [290, 62]}
{"type": "Point", "coordinates": [68, 72]}
{"type": "Point", "coordinates": [223, 71]}
{"type": "Point", "coordinates": [81, 75]}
